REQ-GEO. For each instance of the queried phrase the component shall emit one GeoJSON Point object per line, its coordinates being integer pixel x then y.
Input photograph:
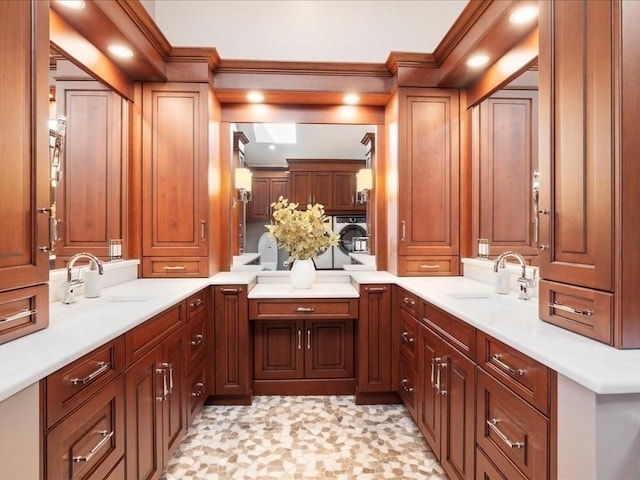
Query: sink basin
{"type": "Point", "coordinates": [469, 295]}
{"type": "Point", "coordinates": [129, 298]}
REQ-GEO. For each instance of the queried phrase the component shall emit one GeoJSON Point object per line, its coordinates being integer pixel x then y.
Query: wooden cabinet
{"type": "Point", "coordinates": [428, 203]}
{"type": "Point", "coordinates": [589, 140]}
{"type": "Point", "coordinates": [175, 179]}
{"type": "Point", "coordinates": [155, 392]}
{"type": "Point", "coordinates": [329, 182]}
{"type": "Point", "coordinates": [375, 342]}
{"type": "Point", "coordinates": [505, 131]}
{"type": "Point", "coordinates": [232, 347]}
{"type": "Point", "coordinates": [267, 187]}
{"type": "Point", "coordinates": [406, 338]}
{"type": "Point", "coordinates": [446, 392]}
{"type": "Point", "coordinates": [24, 183]}
{"type": "Point", "coordinates": [90, 196]}
{"type": "Point", "coordinates": [84, 420]}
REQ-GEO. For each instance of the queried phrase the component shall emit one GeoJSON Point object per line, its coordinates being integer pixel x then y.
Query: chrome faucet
{"type": "Point", "coordinates": [69, 295]}
{"type": "Point", "coordinates": [524, 284]}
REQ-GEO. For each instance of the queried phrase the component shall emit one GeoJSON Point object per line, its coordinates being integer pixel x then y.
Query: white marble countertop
{"type": "Point", "coordinates": [364, 259]}
{"type": "Point", "coordinates": [244, 259]}
{"type": "Point", "coordinates": [77, 329]}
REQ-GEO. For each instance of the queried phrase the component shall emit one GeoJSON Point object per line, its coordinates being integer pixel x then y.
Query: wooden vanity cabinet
{"type": "Point", "coordinates": [24, 183]}
{"type": "Point", "coordinates": [266, 187]}
{"type": "Point", "coordinates": [407, 336]}
{"type": "Point", "coordinates": [232, 348]}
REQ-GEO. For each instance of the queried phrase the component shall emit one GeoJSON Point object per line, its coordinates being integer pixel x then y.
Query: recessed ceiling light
{"type": "Point", "coordinates": [255, 97]}
{"type": "Point", "coordinates": [478, 60]}
{"type": "Point", "coordinates": [351, 99]}
{"type": "Point", "coordinates": [120, 51]}
{"type": "Point", "coordinates": [272, 147]}
{"type": "Point", "coordinates": [524, 14]}
{"type": "Point", "coordinates": [75, 4]}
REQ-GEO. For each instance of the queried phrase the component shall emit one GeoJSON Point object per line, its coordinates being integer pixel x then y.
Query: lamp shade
{"type": "Point", "coordinates": [243, 179]}
{"type": "Point", "coordinates": [364, 180]}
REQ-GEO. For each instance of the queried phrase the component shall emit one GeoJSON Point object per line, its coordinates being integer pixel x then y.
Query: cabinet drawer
{"type": "Point", "coordinates": [197, 340]}
{"type": "Point", "coordinates": [68, 387]}
{"type": "Point", "coordinates": [408, 302]}
{"type": "Point", "coordinates": [458, 333]}
{"type": "Point", "coordinates": [510, 431]}
{"type": "Point", "coordinates": [90, 442]}
{"type": "Point", "coordinates": [408, 338]}
{"type": "Point", "coordinates": [145, 337]}
{"type": "Point", "coordinates": [197, 303]}
{"type": "Point", "coordinates": [485, 470]}
{"type": "Point", "coordinates": [175, 267]}
{"type": "Point", "coordinates": [291, 310]}
{"type": "Point", "coordinates": [522, 374]}
{"type": "Point", "coordinates": [23, 311]}
{"type": "Point", "coordinates": [428, 266]}
{"type": "Point", "coordinates": [408, 387]}
{"type": "Point", "coordinates": [196, 390]}
{"type": "Point", "coordinates": [581, 310]}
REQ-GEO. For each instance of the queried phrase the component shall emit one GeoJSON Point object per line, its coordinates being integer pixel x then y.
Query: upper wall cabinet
{"type": "Point", "coordinates": [175, 179]}
{"type": "Point", "coordinates": [24, 182]}
{"type": "Point", "coordinates": [428, 209]}
{"type": "Point", "coordinates": [589, 144]}
{"type": "Point", "coordinates": [505, 136]}
{"type": "Point", "coordinates": [267, 187]}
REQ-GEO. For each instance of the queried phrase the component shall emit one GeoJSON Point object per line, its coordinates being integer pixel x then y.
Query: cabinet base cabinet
{"type": "Point", "coordinates": [485, 470]}
{"type": "Point", "coordinates": [91, 441]}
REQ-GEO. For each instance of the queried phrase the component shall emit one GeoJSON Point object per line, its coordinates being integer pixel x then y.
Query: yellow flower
{"type": "Point", "coordinates": [302, 233]}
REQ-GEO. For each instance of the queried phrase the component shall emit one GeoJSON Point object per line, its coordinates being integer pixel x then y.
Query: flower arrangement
{"type": "Point", "coordinates": [302, 233]}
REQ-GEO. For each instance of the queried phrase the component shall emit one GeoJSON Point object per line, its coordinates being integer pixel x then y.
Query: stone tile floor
{"type": "Point", "coordinates": [291, 437]}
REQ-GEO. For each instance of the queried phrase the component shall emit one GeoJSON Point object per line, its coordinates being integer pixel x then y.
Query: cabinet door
{"type": "Point", "coordinates": [258, 207]}
{"type": "Point", "coordinates": [344, 191]}
{"type": "Point", "coordinates": [24, 47]}
{"type": "Point", "coordinates": [174, 403]}
{"type": "Point", "coordinates": [89, 197]}
{"type": "Point", "coordinates": [576, 158]}
{"type": "Point", "coordinates": [231, 340]}
{"type": "Point", "coordinates": [278, 352]}
{"type": "Point", "coordinates": [329, 348]}
{"type": "Point", "coordinates": [174, 159]}
{"type": "Point", "coordinates": [278, 187]}
{"type": "Point", "coordinates": [457, 394]}
{"type": "Point", "coordinates": [374, 339]}
{"type": "Point", "coordinates": [301, 188]}
{"type": "Point", "coordinates": [429, 170]}
{"type": "Point", "coordinates": [143, 392]}
{"type": "Point", "coordinates": [428, 408]}
{"type": "Point", "coordinates": [322, 189]}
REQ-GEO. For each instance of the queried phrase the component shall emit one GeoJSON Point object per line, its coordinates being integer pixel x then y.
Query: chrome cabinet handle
{"type": "Point", "coordinates": [200, 391]}
{"type": "Point", "coordinates": [375, 289]}
{"type": "Point", "coordinates": [197, 340]}
{"type": "Point", "coordinates": [24, 313]}
{"type": "Point", "coordinates": [102, 367]}
{"type": "Point", "coordinates": [408, 301]}
{"type": "Point", "coordinates": [196, 304]}
{"type": "Point", "coordinates": [565, 308]}
{"type": "Point", "coordinates": [230, 290]}
{"type": "Point", "coordinates": [404, 230]}
{"type": "Point", "coordinates": [171, 378]}
{"type": "Point", "coordinates": [309, 339]}
{"type": "Point", "coordinates": [440, 366]}
{"type": "Point", "coordinates": [165, 389]}
{"type": "Point", "coordinates": [406, 338]}
{"type": "Point", "coordinates": [493, 425]}
{"type": "Point", "coordinates": [305, 309]}
{"type": "Point", "coordinates": [404, 384]}
{"type": "Point", "coordinates": [429, 267]}
{"type": "Point", "coordinates": [507, 368]}
{"type": "Point", "coordinates": [433, 370]}
{"type": "Point", "coordinates": [299, 339]}
{"type": "Point", "coordinates": [203, 225]}
{"type": "Point", "coordinates": [106, 437]}
{"type": "Point", "coordinates": [174, 267]}
{"type": "Point", "coordinates": [435, 363]}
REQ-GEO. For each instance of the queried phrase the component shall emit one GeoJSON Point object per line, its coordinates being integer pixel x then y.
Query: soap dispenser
{"type": "Point", "coordinates": [502, 279]}
{"type": "Point", "coordinates": [91, 278]}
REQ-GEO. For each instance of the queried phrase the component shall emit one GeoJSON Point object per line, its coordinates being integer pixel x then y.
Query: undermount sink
{"type": "Point", "coordinates": [129, 298]}
{"type": "Point", "coordinates": [469, 295]}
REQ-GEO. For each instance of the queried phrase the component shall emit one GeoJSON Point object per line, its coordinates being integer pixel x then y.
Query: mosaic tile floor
{"type": "Point", "coordinates": [290, 437]}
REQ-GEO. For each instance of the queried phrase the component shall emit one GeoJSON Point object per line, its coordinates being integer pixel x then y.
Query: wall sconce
{"type": "Point", "coordinates": [364, 183]}
{"type": "Point", "coordinates": [243, 183]}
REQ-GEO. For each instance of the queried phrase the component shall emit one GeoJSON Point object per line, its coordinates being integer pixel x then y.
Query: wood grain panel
{"type": "Point", "coordinates": [329, 352]}
{"type": "Point", "coordinates": [375, 338]}
{"type": "Point", "coordinates": [278, 353]}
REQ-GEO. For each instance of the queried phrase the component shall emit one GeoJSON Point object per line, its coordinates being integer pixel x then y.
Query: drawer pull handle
{"type": "Point", "coordinates": [404, 383]}
{"type": "Point", "coordinates": [308, 339]}
{"type": "Point", "coordinates": [565, 308]}
{"type": "Point", "coordinates": [174, 267]}
{"type": "Point", "coordinates": [197, 340]}
{"type": "Point", "coordinates": [375, 289]}
{"type": "Point", "coordinates": [200, 391]}
{"type": "Point", "coordinates": [305, 309]}
{"type": "Point", "coordinates": [440, 366]}
{"type": "Point", "coordinates": [406, 338]}
{"type": "Point", "coordinates": [408, 301]}
{"type": "Point", "coordinates": [102, 367]}
{"type": "Point", "coordinates": [429, 267]}
{"type": "Point", "coordinates": [493, 425]}
{"type": "Point", "coordinates": [24, 313]}
{"type": "Point", "coordinates": [513, 371]}
{"type": "Point", "coordinates": [196, 304]}
{"type": "Point", "coordinates": [230, 290]}
{"type": "Point", "coordinates": [106, 437]}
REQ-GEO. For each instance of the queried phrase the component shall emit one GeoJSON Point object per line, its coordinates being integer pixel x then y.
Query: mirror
{"type": "Point", "coordinates": [90, 193]}
{"type": "Point", "coordinates": [317, 146]}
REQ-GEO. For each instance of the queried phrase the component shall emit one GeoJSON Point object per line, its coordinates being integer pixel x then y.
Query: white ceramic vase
{"type": "Point", "coordinates": [303, 273]}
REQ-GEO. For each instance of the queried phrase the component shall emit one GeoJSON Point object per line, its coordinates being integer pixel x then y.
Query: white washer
{"type": "Point", "coordinates": [347, 228]}
{"type": "Point", "coordinates": [324, 261]}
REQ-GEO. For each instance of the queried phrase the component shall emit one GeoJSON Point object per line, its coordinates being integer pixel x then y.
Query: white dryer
{"type": "Point", "coordinates": [347, 228]}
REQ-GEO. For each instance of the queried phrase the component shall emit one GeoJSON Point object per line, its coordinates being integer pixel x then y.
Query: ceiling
{"type": "Point", "coordinates": [313, 141]}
